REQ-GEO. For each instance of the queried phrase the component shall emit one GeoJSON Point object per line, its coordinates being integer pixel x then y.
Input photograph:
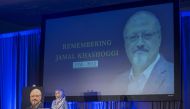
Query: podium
{"type": "Point", "coordinates": [31, 96]}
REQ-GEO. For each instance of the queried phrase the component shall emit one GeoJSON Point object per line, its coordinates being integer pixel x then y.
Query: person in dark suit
{"type": "Point", "coordinates": [35, 99]}
{"type": "Point", "coordinates": [150, 72]}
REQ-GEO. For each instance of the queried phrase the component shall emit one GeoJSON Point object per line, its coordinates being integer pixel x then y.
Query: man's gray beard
{"type": "Point", "coordinates": [139, 60]}
{"type": "Point", "coordinates": [35, 103]}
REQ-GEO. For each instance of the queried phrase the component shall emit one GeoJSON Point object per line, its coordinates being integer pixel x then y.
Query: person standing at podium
{"type": "Point", "coordinates": [60, 101]}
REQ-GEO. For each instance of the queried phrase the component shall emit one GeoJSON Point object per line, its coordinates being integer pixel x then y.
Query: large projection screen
{"type": "Point", "coordinates": [126, 50]}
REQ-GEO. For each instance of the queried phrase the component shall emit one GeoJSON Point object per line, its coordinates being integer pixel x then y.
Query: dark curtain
{"type": "Point", "coordinates": [19, 67]}
{"type": "Point", "coordinates": [185, 33]}
{"type": "Point", "coordinates": [16, 50]}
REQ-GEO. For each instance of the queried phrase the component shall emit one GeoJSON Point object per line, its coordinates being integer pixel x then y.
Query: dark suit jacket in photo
{"type": "Point", "coordinates": [161, 80]}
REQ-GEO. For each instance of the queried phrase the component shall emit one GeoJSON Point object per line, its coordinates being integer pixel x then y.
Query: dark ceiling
{"type": "Point", "coordinates": [23, 14]}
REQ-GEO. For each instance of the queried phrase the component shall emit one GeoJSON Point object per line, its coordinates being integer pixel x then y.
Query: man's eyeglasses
{"type": "Point", "coordinates": [35, 95]}
{"type": "Point", "coordinates": [145, 35]}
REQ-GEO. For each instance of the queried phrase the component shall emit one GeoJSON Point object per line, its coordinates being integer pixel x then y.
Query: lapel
{"type": "Point", "coordinates": [157, 77]}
